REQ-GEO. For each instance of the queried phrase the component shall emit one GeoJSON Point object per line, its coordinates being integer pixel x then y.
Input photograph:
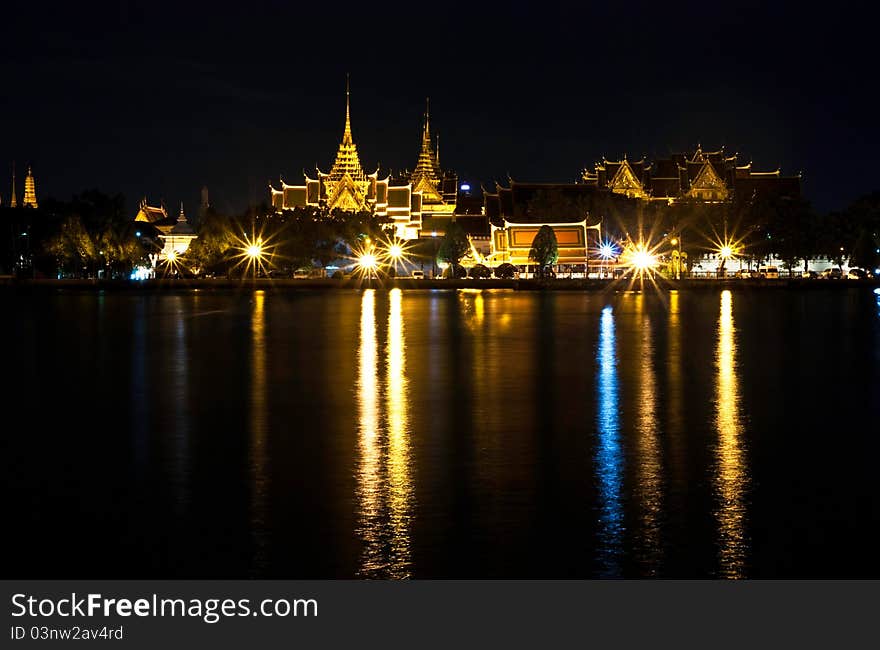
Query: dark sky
{"type": "Point", "coordinates": [159, 99]}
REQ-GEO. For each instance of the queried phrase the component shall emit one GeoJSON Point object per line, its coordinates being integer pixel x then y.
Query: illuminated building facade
{"type": "Point", "coordinates": [404, 199]}
{"type": "Point", "coordinates": [347, 187]}
{"type": "Point", "coordinates": [702, 176]}
{"type": "Point", "coordinates": [516, 213]}
{"type": "Point", "coordinates": [175, 234]}
{"type": "Point", "coordinates": [30, 191]}
{"type": "Point", "coordinates": [628, 198]}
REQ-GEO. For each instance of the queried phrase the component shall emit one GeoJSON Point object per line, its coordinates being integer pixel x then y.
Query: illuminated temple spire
{"type": "Point", "coordinates": [426, 176]}
{"type": "Point", "coordinates": [346, 135]}
{"type": "Point", "coordinates": [30, 191]}
{"type": "Point", "coordinates": [346, 184]}
{"type": "Point", "coordinates": [347, 161]}
{"type": "Point", "coordinates": [13, 202]}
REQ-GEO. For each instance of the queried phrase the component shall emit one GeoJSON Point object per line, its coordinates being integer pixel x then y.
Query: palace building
{"type": "Point", "coordinates": [176, 234]}
{"type": "Point", "coordinates": [404, 198]}
{"type": "Point", "coordinates": [625, 197]}
{"type": "Point", "coordinates": [707, 177]}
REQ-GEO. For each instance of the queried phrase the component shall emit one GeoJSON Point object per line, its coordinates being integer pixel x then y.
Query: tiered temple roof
{"type": "Point", "coordinates": [711, 176]}
{"type": "Point", "coordinates": [427, 174]}
{"type": "Point", "coordinates": [30, 190]}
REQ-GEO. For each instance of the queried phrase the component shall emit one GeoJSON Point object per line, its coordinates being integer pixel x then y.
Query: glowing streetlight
{"type": "Point", "coordinates": [367, 263]}
{"type": "Point", "coordinates": [607, 251]}
{"type": "Point", "coordinates": [255, 250]}
{"type": "Point", "coordinates": [643, 260]}
{"type": "Point", "coordinates": [395, 251]}
{"type": "Point", "coordinates": [254, 253]}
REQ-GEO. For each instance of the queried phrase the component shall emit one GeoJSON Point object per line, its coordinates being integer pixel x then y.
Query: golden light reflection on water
{"type": "Point", "coordinates": [731, 477]}
{"type": "Point", "coordinates": [650, 467]}
{"type": "Point", "coordinates": [400, 486]}
{"type": "Point", "coordinates": [384, 483]}
{"type": "Point", "coordinates": [258, 452]}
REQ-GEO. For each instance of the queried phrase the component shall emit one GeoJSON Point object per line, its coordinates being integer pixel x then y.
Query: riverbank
{"type": "Point", "coordinates": [560, 284]}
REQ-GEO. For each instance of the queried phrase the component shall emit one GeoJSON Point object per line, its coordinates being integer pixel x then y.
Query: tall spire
{"type": "Point", "coordinates": [181, 216]}
{"type": "Point", "coordinates": [346, 135]}
{"type": "Point", "coordinates": [426, 135]}
{"type": "Point", "coordinates": [426, 176]}
{"type": "Point", "coordinates": [30, 190]}
{"type": "Point", "coordinates": [347, 161]}
{"type": "Point", "coordinates": [13, 202]}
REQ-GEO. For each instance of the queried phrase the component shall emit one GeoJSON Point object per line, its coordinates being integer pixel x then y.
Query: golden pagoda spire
{"type": "Point", "coordinates": [426, 135]}
{"type": "Point", "coordinates": [347, 160]}
{"type": "Point", "coordinates": [426, 176]}
{"type": "Point", "coordinates": [346, 185]}
{"type": "Point", "coordinates": [30, 190]}
{"type": "Point", "coordinates": [13, 202]}
{"type": "Point", "coordinates": [346, 135]}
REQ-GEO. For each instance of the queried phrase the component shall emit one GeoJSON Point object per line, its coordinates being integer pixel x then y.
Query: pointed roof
{"type": "Point", "coordinates": [707, 179]}
{"type": "Point", "coordinates": [347, 160]}
{"type": "Point", "coordinates": [13, 202]}
{"type": "Point", "coordinates": [625, 181]}
{"type": "Point", "coordinates": [426, 176]}
{"type": "Point", "coordinates": [346, 134]}
{"type": "Point", "coordinates": [30, 190]}
{"type": "Point", "coordinates": [182, 226]}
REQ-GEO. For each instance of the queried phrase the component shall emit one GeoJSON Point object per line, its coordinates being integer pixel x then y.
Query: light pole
{"type": "Point", "coordinates": [676, 255]}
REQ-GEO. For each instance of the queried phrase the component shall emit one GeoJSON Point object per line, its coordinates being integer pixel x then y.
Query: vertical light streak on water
{"type": "Point", "coordinates": [609, 458]}
{"type": "Point", "coordinates": [369, 480]}
{"type": "Point", "coordinates": [259, 456]}
{"type": "Point", "coordinates": [400, 483]}
{"type": "Point", "coordinates": [649, 482]}
{"type": "Point", "coordinates": [181, 425]}
{"type": "Point", "coordinates": [730, 473]}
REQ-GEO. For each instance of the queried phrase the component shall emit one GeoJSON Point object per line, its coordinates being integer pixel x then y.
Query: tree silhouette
{"type": "Point", "coordinates": [545, 249]}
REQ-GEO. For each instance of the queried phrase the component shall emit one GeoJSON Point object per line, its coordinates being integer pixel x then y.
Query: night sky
{"type": "Point", "coordinates": [159, 99]}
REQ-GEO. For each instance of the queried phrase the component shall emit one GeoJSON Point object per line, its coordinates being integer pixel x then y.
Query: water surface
{"type": "Point", "coordinates": [442, 434]}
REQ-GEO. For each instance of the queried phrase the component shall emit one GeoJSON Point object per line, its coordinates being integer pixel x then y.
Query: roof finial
{"type": "Point", "coordinates": [437, 151]}
{"type": "Point", "coordinates": [426, 131]}
{"type": "Point", "coordinates": [346, 135]}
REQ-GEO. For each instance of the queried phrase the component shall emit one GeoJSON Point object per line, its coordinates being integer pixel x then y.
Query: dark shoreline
{"type": "Point", "coordinates": [562, 284]}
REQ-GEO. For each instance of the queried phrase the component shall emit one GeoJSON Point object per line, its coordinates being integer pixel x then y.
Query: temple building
{"type": "Point", "coordinates": [628, 198]}
{"type": "Point", "coordinates": [514, 215]}
{"type": "Point", "coordinates": [702, 176]}
{"type": "Point", "coordinates": [30, 191]}
{"type": "Point", "coordinates": [349, 188]}
{"type": "Point", "coordinates": [407, 199]}
{"type": "Point", "coordinates": [175, 234]}
{"type": "Point", "coordinates": [13, 200]}
{"type": "Point", "coordinates": [177, 238]}
{"type": "Point", "coordinates": [155, 216]}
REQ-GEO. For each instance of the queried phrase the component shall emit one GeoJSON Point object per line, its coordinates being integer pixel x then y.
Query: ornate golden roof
{"type": "Point", "coordinates": [347, 160]}
{"type": "Point", "coordinates": [30, 192]}
{"type": "Point", "coordinates": [426, 176]}
{"type": "Point", "coordinates": [346, 184]}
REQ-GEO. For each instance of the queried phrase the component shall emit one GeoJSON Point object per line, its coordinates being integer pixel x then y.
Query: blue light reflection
{"type": "Point", "coordinates": [609, 456]}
